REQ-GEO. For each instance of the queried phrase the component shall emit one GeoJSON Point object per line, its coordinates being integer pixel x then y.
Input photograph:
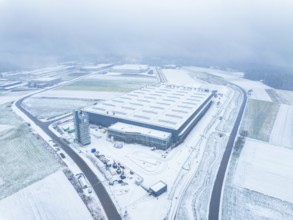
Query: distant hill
{"type": "Point", "coordinates": [276, 77]}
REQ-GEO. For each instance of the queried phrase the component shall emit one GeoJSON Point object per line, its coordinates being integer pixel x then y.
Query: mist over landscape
{"type": "Point", "coordinates": [113, 108]}
{"type": "Point", "coordinates": [252, 36]}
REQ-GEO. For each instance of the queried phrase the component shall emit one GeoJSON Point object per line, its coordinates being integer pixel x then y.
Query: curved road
{"type": "Point", "coordinates": [215, 200]}
{"type": "Point", "coordinates": [101, 192]}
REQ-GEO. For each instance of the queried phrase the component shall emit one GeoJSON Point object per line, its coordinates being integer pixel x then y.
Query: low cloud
{"type": "Point", "coordinates": [219, 32]}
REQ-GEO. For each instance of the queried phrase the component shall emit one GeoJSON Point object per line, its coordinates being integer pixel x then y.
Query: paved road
{"type": "Point", "coordinates": [162, 77]}
{"type": "Point", "coordinates": [101, 192]}
{"type": "Point", "coordinates": [214, 209]}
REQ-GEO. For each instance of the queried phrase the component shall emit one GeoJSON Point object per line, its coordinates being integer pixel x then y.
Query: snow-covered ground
{"type": "Point", "coordinates": [50, 107]}
{"type": "Point", "coordinates": [78, 95]}
{"type": "Point", "coordinates": [181, 77]}
{"type": "Point", "coordinates": [24, 158]}
{"type": "Point", "coordinates": [259, 89]}
{"type": "Point", "coordinates": [195, 202]}
{"type": "Point", "coordinates": [286, 95]}
{"type": "Point", "coordinates": [259, 119]}
{"type": "Point", "coordinates": [104, 83]}
{"type": "Point", "coordinates": [258, 185]}
{"type": "Point", "coordinates": [97, 86]}
{"type": "Point", "coordinates": [266, 169]}
{"type": "Point", "coordinates": [226, 74]}
{"type": "Point", "coordinates": [91, 200]}
{"type": "Point", "coordinates": [4, 128]}
{"type": "Point", "coordinates": [6, 97]}
{"type": "Point", "coordinates": [263, 200]}
{"type": "Point", "coordinates": [282, 133]}
{"type": "Point", "coordinates": [50, 198]}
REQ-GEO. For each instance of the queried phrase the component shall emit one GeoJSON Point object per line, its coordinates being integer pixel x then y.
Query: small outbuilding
{"type": "Point", "coordinates": [158, 188]}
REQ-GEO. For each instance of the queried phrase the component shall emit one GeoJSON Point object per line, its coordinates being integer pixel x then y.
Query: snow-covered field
{"type": "Point", "coordinates": [78, 95]}
{"type": "Point", "coordinates": [10, 96]}
{"type": "Point", "coordinates": [282, 133]}
{"type": "Point", "coordinates": [106, 83]}
{"type": "Point", "coordinates": [181, 77]}
{"type": "Point", "coordinates": [258, 185]}
{"type": "Point", "coordinates": [259, 89]}
{"type": "Point", "coordinates": [259, 119]}
{"type": "Point", "coordinates": [4, 129]}
{"type": "Point", "coordinates": [50, 198]}
{"type": "Point", "coordinates": [50, 107]}
{"type": "Point", "coordinates": [23, 157]}
{"type": "Point", "coordinates": [97, 86]}
{"type": "Point", "coordinates": [228, 74]}
{"type": "Point", "coordinates": [266, 169]}
{"type": "Point", "coordinates": [287, 95]}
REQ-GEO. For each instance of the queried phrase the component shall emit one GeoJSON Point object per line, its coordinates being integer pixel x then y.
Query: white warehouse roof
{"type": "Point", "coordinates": [158, 186]}
{"type": "Point", "coordinates": [130, 67]}
{"type": "Point", "coordinates": [164, 105]}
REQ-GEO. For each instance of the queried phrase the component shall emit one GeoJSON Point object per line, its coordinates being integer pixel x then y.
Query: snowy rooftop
{"type": "Point", "coordinates": [165, 105]}
{"type": "Point", "coordinates": [45, 79]}
{"type": "Point", "coordinates": [158, 186]}
{"type": "Point", "coordinates": [130, 67]}
{"type": "Point", "coordinates": [94, 67]}
{"type": "Point", "coordinates": [123, 127]}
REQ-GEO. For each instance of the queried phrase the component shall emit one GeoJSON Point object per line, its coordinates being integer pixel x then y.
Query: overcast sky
{"type": "Point", "coordinates": [218, 31]}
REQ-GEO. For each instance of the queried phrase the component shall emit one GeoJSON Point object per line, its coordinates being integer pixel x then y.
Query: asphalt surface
{"type": "Point", "coordinates": [107, 203]}
{"type": "Point", "coordinates": [162, 78]}
{"type": "Point", "coordinates": [215, 202]}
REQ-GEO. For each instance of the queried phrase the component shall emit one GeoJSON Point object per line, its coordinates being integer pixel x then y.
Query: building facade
{"type": "Point", "coordinates": [81, 124]}
{"type": "Point", "coordinates": [135, 134]}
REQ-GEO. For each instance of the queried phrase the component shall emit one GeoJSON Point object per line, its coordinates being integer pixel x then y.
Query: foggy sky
{"type": "Point", "coordinates": [215, 31]}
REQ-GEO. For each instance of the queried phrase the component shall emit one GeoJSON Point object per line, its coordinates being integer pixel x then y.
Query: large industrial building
{"type": "Point", "coordinates": [159, 116]}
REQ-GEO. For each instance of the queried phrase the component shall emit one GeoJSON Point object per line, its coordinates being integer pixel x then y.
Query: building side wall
{"type": "Point", "coordinates": [108, 120]}
{"type": "Point", "coordinates": [76, 126]}
{"type": "Point", "coordinates": [195, 114]}
{"type": "Point", "coordinates": [161, 191]}
{"type": "Point", "coordinates": [196, 120]}
{"type": "Point", "coordinates": [140, 139]}
{"type": "Point", "coordinates": [81, 123]}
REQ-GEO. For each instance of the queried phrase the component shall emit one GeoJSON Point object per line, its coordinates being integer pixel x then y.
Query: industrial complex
{"type": "Point", "coordinates": [159, 116]}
